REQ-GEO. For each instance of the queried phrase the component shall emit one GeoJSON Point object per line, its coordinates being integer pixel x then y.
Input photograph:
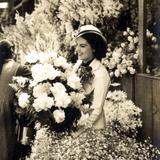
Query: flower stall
{"type": "Point", "coordinates": [50, 100]}
{"type": "Point", "coordinates": [144, 89]}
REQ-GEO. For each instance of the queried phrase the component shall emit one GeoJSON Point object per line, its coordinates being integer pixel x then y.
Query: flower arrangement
{"type": "Point", "coordinates": [94, 11]}
{"type": "Point", "coordinates": [53, 94]}
{"type": "Point", "coordinates": [93, 144]}
{"type": "Point", "coordinates": [151, 48]}
{"type": "Point", "coordinates": [122, 59]}
{"type": "Point", "coordinates": [122, 113]}
{"type": "Point", "coordinates": [122, 56]}
{"type": "Point", "coordinates": [59, 19]}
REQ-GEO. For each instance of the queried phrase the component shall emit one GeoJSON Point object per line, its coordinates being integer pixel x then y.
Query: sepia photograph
{"type": "Point", "coordinates": [79, 79]}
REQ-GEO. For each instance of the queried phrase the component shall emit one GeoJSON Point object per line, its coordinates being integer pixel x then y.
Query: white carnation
{"type": "Point", "coordinates": [74, 81]}
{"type": "Point", "coordinates": [58, 88]}
{"type": "Point", "coordinates": [130, 39]}
{"type": "Point", "coordinates": [43, 102]}
{"type": "Point", "coordinates": [32, 57]}
{"type": "Point", "coordinates": [62, 99]}
{"type": "Point", "coordinates": [50, 72]}
{"type": "Point", "coordinates": [38, 73]}
{"type": "Point", "coordinates": [41, 72]}
{"type": "Point", "coordinates": [117, 73]}
{"type": "Point", "coordinates": [135, 56]}
{"type": "Point", "coordinates": [135, 39]}
{"type": "Point", "coordinates": [131, 70]}
{"type": "Point", "coordinates": [39, 89]}
{"type": "Point", "coordinates": [23, 100]}
{"type": "Point", "coordinates": [61, 62]}
{"type": "Point", "coordinates": [59, 115]}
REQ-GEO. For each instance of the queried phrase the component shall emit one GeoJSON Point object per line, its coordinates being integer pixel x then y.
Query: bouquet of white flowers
{"type": "Point", "coordinates": [121, 112]}
{"type": "Point", "coordinates": [122, 59]}
{"type": "Point", "coordinates": [52, 95]}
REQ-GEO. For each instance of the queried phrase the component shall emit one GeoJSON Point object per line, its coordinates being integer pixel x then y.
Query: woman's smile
{"type": "Point", "coordinates": [84, 49]}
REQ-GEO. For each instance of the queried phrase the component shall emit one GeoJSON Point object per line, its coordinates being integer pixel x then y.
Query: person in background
{"type": "Point", "coordinates": [91, 48]}
{"type": "Point", "coordinates": [8, 69]}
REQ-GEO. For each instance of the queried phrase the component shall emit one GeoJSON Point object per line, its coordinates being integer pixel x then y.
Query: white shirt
{"type": "Point", "coordinates": [99, 85]}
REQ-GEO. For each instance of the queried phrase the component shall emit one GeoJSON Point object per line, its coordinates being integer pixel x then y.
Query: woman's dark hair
{"type": "Point", "coordinates": [96, 43]}
{"type": "Point", "coordinates": [6, 52]}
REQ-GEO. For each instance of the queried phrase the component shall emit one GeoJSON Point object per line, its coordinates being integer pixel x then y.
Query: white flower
{"type": "Point", "coordinates": [62, 99]}
{"type": "Point", "coordinates": [43, 102]}
{"type": "Point", "coordinates": [117, 73]}
{"type": "Point", "coordinates": [135, 56]}
{"type": "Point", "coordinates": [77, 98]}
{"type": "Point", "coordinates": [130, 39]}
{"type": "Point", "coordinates": [111, 74]}
{"type": "Point", "coordinates": [122, 45]}
{"type": "Point", "coordinates": [125, 33]}
{"type": "Point", "coordinates": [135, 40]}
{"type": "Point", "coordinates": [32, 57]}
{"type": "Point", "coordinates": [131, 46]}
{"type": "Point", "coordinates": [112, 64]}
{"type": "Point", "coordinates": [32, 83]}
{"type": "Point", "coordinates": [21, 81]}
{"type": "Point", "coordinates": [46, 57]}
{"type": "Point", "coordinates": [117, 95]}
{"type": "Point", "coordinates": [123, 70]}
{"type": "Point", "coordinates": [41, 88]}
{"type": "Point", "coordinates": [58, 88]}
{"type": "Point", "coordinates": [131, 33]}
{"type": "Point", "coordinates": [129, 62]}
{"type": "Point", "coordinates": [50, 72]}
{"type": "Point", "coordinates": [82, 121]}
{"type": "Point", "coordinates": [131, 70]}
{"type": "Point", "coordinates": [128, 29]}
{"type": "Point", "coordinates": [41, 72]}
{"type": "Point", "coordinates": [59, 115]}
{"type": "Point", "coordinates": [154, 39]}
{"type": "Point", "coordinates": [38, 73]}
{"type": "Point", "coordinates": [149, 34]}
{"type": "Point", "coordinates": [74, 81]}
{"type": "Point", "coordinates": [23, 100]}
{"type": "Point", "coordinates": [61, 61]}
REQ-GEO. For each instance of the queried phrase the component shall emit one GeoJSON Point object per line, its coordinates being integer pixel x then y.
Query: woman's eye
{"type": "Point", "coordinates": [82, 46]}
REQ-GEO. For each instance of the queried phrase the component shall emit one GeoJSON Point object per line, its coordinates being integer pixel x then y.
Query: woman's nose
{"type": "Point", "coordinates": [77, 49]}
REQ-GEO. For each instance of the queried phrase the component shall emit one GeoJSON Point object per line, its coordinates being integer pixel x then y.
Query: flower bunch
{"type": "Point", "coordinates": [122, 112]}
{"type": "Point", "coordinates": [88, 11]}
{"type": "Point", "coordinates": [53, 93]}
{"type": "Point", "coordinates": [151, 48]}
{"type": "Point", "coordinates": [107, 143]}
{"type": "Point", "coordinates": [122, 59]}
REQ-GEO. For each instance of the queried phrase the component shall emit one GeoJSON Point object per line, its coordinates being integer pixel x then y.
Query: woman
{"type": "Point", "coordinates": [8, 69]}
{"type": "Point", "coordinates": [91, 48]}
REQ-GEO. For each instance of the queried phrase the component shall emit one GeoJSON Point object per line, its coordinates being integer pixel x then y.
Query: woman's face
{"type": "Point", "coordinates": [84, 49]}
